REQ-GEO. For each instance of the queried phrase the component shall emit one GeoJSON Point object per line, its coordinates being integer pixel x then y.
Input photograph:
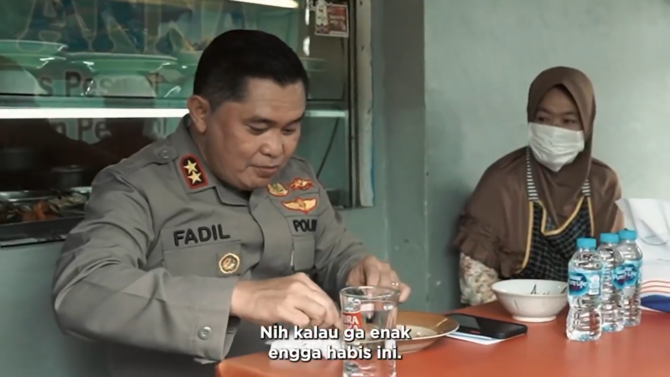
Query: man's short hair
{"type": "Point", "coordinates": [236, 56]}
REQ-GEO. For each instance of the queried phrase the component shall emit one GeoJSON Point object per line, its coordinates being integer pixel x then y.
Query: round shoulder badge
{"type": "Point", "coordinates": [277, 189]}
{"type": "Point", "coordinates": [229, 263]}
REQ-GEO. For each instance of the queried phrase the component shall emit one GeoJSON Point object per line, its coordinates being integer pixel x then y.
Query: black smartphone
{"type": "Point", "coordinates": [488, 327]}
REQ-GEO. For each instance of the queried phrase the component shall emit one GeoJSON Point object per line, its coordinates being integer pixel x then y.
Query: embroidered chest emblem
{"type": "Point", "coordinates": [277, 189]}
{"type": "Point", "coordinates": [301, 184]}
{"type": "Point", "coordinates": [301, 205]}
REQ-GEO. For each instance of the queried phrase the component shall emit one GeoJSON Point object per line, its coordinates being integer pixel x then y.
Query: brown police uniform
{"type": "Point", "coordinates": [151, 268]}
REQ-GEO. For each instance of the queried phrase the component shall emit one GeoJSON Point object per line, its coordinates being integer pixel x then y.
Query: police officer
{"type": "Point", "coordinates": [193, 242]}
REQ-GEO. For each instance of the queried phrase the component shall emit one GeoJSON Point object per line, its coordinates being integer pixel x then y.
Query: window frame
{"type": "Point", "coordinates": [360, 106]}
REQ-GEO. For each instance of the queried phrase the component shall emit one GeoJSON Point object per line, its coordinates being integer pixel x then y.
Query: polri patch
{"type": "Point", "coordinates": [304, 225]}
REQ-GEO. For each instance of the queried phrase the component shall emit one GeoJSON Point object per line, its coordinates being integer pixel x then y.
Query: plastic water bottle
{"type": "Point", "coordinates": [585, 271]}
{"type": "Point", "coordinates": [629, 277]}
{"type": "Point", "coordinates": [611, 304]}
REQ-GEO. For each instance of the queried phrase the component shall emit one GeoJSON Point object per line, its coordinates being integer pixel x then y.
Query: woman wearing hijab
{"type": "Point", "coordinates": [529, 208]}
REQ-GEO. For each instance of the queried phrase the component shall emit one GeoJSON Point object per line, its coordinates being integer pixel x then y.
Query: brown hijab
{"type": "Point", "coordinates": [560, 191]}
{"type": "Point", "coordinates": [494, 225]}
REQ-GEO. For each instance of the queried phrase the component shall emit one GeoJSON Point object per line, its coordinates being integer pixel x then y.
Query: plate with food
{"type": "Point", "coordinates": [424, 329]}
{"type": "Point", "coordinates": [29, 206]}
{"type": "Point", "coordinates": [84, 190]}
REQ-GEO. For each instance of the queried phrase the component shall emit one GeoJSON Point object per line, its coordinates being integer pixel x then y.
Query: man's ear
{"type": "Point", "coordinates": [198, 109]}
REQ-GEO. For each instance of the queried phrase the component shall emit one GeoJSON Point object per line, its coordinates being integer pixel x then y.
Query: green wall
{"type": "Point", "coordinates": [454, 80]}
{"type": "Point", "coordinates": [31, 345]}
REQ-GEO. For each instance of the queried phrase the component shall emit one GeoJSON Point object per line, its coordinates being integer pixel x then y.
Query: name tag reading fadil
{"type": "Point", "coordinates": [195, 236]}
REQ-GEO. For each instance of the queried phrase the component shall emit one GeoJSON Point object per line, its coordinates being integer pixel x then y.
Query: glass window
{"type": "Point", "coordinates": [85, 83]}
{"type": "Point", "coordinates": [83, 51]}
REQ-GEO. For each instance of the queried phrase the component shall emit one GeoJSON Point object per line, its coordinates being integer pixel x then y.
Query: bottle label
{"type": "Point", "coordinates": [584, 282]}
{"type": "Point", "coordinates": [619, 277]}
{"type": "Point", "coordinates": [632, 271]}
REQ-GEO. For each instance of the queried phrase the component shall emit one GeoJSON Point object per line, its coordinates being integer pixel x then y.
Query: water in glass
{"type": "Point", "coordinates": [373, 310]}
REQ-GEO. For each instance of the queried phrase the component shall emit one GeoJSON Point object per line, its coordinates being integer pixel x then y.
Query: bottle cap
{"type": "Point", "coordinates": [609, 238]}
{"type": "Point", "coordinates": [627, 235]}
{"type": "Point", "coordinates": [586, 243]}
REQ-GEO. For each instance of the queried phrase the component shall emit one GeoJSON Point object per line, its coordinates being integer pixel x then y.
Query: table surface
{"type": "Point", "coordinates": [544, 351]}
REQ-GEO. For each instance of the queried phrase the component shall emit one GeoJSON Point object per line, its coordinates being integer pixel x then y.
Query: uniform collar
{"type": "Point", "coordinates": [193, 171]}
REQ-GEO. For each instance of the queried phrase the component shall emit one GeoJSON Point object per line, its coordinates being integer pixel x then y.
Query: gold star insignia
{"type": "Point", "coordinates": [192, 172]}
{"type": "Point", "coordinates": [191, 167]}
{"type": "Point", "coordinates": [194, 177]}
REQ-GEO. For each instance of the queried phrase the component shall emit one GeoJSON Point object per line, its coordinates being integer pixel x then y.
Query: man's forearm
{"type": "Point", "coordinates": [187, 315]}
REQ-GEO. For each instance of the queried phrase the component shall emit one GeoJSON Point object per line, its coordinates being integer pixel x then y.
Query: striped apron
{"type": "Point", "coordinates": [549, 248]}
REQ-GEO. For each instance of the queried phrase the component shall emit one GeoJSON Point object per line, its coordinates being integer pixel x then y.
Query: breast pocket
{"type": "Point", "coordinates": [303, 230]}
{"type": "Point", "coordinates": [303, 254]}
{"type": "Point", "coordinates": [214, 258]}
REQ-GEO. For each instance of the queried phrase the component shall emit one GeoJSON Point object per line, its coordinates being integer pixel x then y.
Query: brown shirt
{"type": "Point", "coordinates": [494, 225]}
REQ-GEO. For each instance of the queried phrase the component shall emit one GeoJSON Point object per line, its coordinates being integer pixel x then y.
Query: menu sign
{"type": "Point", "coordinates": [332, 20]}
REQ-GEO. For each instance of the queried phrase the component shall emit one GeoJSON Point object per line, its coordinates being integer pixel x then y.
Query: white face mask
{"type": "Point", "coordinates": [554, 147]}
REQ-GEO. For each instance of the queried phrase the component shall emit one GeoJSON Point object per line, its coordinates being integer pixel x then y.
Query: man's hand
{"type": "Point", "coordinates": [294, 299]}
{"type": "Point", "coordinates": [372, 271]}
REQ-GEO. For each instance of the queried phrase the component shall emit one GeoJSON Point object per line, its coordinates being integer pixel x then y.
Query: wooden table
{"type": "Point", "coordinates": [642, 351]}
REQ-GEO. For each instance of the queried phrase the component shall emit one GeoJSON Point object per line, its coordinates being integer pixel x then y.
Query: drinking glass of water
{"type": "Point", "coordinates": [369, 316]}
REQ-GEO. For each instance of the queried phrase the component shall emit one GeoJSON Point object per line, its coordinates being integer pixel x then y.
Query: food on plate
{"type": "Point", "coordinates": [41, 210]}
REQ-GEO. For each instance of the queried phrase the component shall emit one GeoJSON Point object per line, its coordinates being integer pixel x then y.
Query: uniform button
{"type": "Point", "coordinates": [165, 154]}
{"type": "Point", "coordinates": [205, 333]}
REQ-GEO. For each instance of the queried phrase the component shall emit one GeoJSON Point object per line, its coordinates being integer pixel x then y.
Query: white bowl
{"type": "Point", "coordinates": [530, 300]}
